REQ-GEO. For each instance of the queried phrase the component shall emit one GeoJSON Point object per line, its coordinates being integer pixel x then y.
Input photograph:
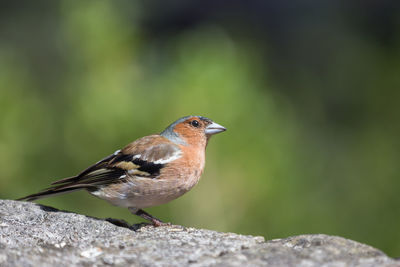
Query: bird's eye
{"type": "Point", "coordinates": [195, 123]}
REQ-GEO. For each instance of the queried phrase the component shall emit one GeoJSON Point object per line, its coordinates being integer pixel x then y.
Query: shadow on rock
{"type": "Point", "coordinates": [116, 222]}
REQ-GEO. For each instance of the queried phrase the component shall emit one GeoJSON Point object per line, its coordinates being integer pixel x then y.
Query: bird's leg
{"type": "Point", "coordinates": [139, 212]}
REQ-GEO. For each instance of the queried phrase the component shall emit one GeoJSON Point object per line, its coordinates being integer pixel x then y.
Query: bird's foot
{"type": "Point", "coordinates": [157, 223]}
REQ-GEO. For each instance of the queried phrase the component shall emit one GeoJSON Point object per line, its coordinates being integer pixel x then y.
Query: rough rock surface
{"type": "Point", "coordinates": [36, 235]}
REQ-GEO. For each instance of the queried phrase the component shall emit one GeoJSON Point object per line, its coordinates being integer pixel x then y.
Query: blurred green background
{"type": "Point", "coordinates": [309, 92]}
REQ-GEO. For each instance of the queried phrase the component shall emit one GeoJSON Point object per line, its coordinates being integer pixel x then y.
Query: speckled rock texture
{"type": "Point", "coordinates": [36, 235]}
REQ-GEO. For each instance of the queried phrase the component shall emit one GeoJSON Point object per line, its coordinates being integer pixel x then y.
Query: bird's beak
{"type": "Point", "coordinates": [214, 128]}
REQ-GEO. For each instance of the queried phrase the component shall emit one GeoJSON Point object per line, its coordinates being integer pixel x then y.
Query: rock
{"type": "Point", "coordinates": [36, 235]}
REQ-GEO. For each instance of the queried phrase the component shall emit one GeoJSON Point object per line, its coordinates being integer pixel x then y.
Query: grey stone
{"type": "Point", "coordinates": [36, 235]}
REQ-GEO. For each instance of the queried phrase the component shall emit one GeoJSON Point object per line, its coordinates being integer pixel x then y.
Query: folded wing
{"type": "Point", "coordinates": [143, 158]}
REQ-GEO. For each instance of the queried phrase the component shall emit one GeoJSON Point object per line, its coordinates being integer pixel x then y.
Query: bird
{"type": "Point", "coordinates": [149, 171]}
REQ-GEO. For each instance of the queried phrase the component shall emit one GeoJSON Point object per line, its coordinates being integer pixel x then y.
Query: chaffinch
{"type": "Point", "coordinates": [150, 171]}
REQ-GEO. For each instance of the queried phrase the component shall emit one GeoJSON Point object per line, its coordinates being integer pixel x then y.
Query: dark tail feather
{"type": "Point", "coordinates": [66, 180]}
{"type": "Point", "coordinates": [52, 191]}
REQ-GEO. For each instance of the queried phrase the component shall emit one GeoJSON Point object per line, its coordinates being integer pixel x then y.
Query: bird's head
{"type": "Point", "coordinates": [192, 130]}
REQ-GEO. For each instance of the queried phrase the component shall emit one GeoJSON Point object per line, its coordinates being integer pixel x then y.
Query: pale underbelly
{"type": "Point", "coordinates": [145, 192]}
